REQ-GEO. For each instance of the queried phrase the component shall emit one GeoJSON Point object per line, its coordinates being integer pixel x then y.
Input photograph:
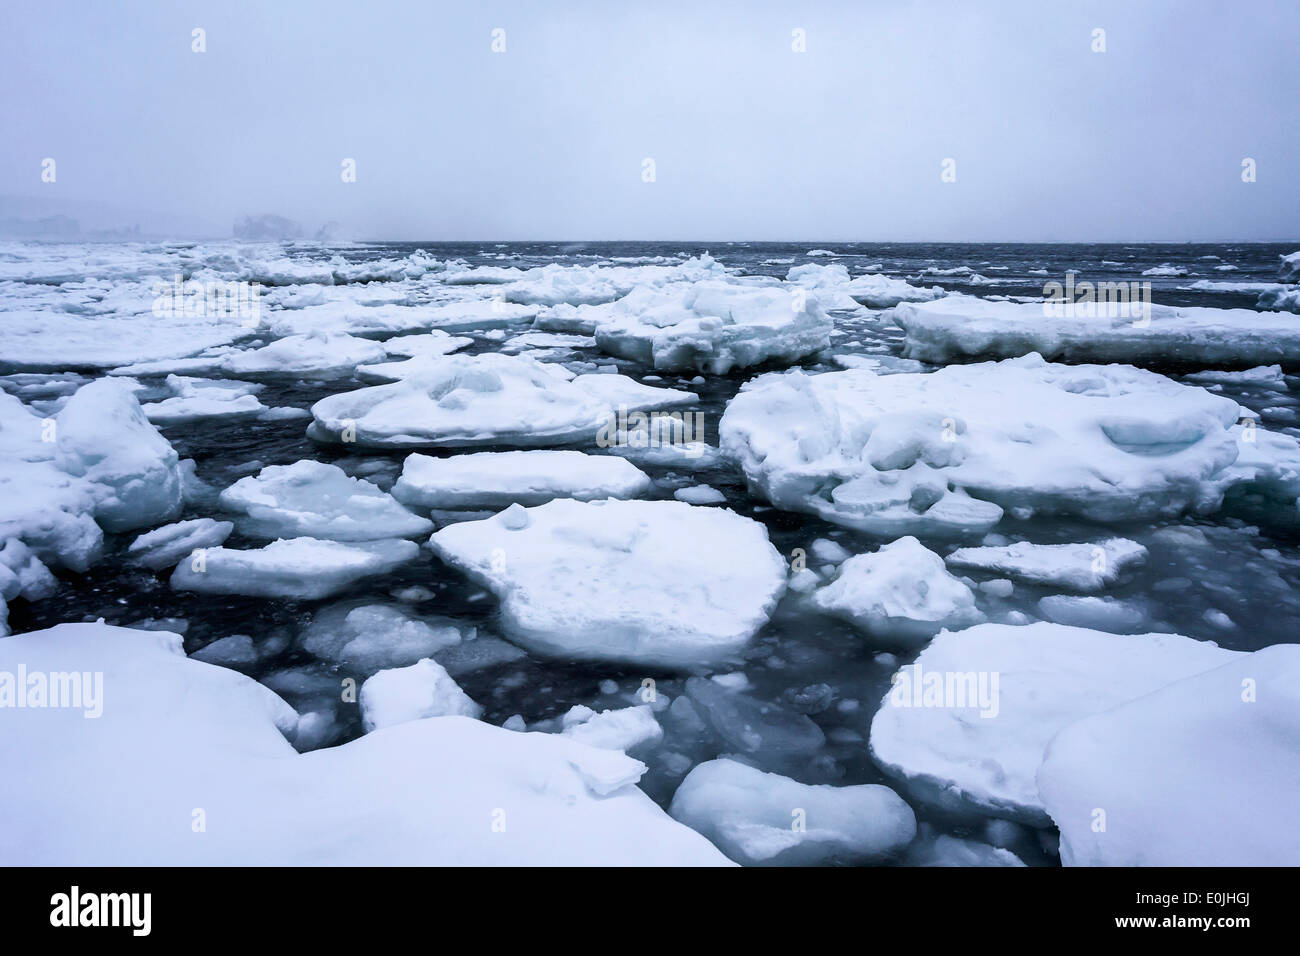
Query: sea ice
{"type": "Point", "coordinates": [497, 479]}
{"type": "Point", "coordinates": [366, 636]}
{"type": "Point", "coordinates": [318, 500]}
{"type": "Point", "coordinates": [306, 568]}
{"type": "Point", "coordinates": [764, 819]}
{"type": "Point", "coordinates": [1079, 567]}
{"type": "Point", "coordinates": [900, 593]}
{"type": "Point", "coordinates": [966, 725]}
{"type": "Point", "coordinates": [654, 582]}
{"type": "Point", "coordinates": [1203, 772]}
{"type": "Point", "coordinates": [422, 689]}
{"type": "Point", "coordinates": [164, 547]}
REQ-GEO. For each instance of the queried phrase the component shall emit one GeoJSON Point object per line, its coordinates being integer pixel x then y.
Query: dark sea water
{"type": "Point", "coordinates": [1251, 572]}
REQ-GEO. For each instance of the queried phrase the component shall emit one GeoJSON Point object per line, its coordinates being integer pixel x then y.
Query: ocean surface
{"type": "Point", "coordinates": [1251, 573]}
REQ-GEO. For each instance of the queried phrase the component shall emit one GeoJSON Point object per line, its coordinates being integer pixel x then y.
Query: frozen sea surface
{"type": "Point", "coordinates": [798, 698]}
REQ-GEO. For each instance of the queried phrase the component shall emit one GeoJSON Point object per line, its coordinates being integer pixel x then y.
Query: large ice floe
{"type": "Point", "coordinates": [1204, 771]}
{"type": "Point", "coordinates": [652, 582]}
{"type": "Point", "coordinates": [497, 479]}
{"type": "Point", "coordinates": [961, 327]}
{"type": "Point", "coordinates": [712, 327]}
{"type": "Point", "coordinates": [489, 399]}
{"type": "Point", "coordinates": [290, 568]}
{"type": "Point", "coordinates": [176, 740]}
{"type": "Point", "coordinates": [314, 499]}
{"type": "Point", "coordinates": [966, 725]}
{"type": "Point", "coordinates": [945, 453]}
{"type": "Point", "coordinates": [764, 819]}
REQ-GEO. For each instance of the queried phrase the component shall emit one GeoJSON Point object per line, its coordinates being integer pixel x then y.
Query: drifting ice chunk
{"type": "Point", "coordinates": [173, 727]}
{"type": "Point", "coordinates": [368, 637]}
{"type": "Point", "coordinates": [625, 729]}
{"type": "Point", "coordinates": [1289, 270]}
{"type": "Point", "coordinates": [966, 725]}
{"type": "Point", "coordinates": [497, 479]}
{"type": "Point", "coordinates": [900, 592]}
{"type": "Point", "coordinates": [752, 726]}
{"type": "Point", "coordinates": [958, 327]}
{"type": "Point", "coordinates": [163, 547]}
{"type": "Point", "coordinates": [1203, 772]}
{"type": "Point", "coordinates": [421, 690]}
{"type": "Point", "coordinates": [295, 568]}
{"type": "Point", "coordinates": [945, 452]}
{"type": "Point", "coordinates": [754, 817]}
{"type": "Point", "coordinates": [873, 291]}
{"type": "Point", "coordinates": [713, 326]}
{"type": "Point", "coordinates": [1080, 567]}
{"type": "Point", "coordinates": [655, 582]}
{"type": "Point", "coordinates": [104, 437]}
{"type": "Point", "coordinates": [1102, 613]}
{"type": "Point", "coordinates": [315, 355]}
{"type": "Point", "coordinates": [481, 400]}
{"type": "Point", "coordinates": [1279, 300]}
{"type": "Point", "coordinates": [946, 850]}
{"type": "Point", "coordinates": [313, 499]}
{"type": "Point", "coordinates": [700, 495]}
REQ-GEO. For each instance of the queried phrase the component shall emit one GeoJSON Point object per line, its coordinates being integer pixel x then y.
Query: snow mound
{"type": "Point", "coordinates": [424, 689]}
{"type": "Point", "coordinates": [105, 438]}
{"type": "Point", "coordinates": [1080, 567]}
{"type": "Point", "coordinates": [712, 326]}
{"type": "Point", "coordinates": [960, 327]}
{"type": "Point", "coordinates": [945, 453]}
{"type": "Point", "coordinates": [1203, 772]}
{"type": "Point", "coordinates": [177, 737]}
{"type": "Point", "coordinates": [497, 479]}
{"type": "Point", "coordinates": [306, 568]}
{"type": "Point", "coordinates": [764, 819]}
{"type": "Point", "coordinates": [316, 500]}
{"type": "Point", "coordinates": [965, 727]}
{"type": "Point", "coordinates": [483, 400]}
{"type": "Point", "coordinates": [654, 582]}
{"type": "Point", "coordinates": [900, 593]}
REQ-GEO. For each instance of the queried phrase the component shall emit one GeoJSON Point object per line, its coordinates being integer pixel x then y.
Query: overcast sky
{"type": "Point", "coordinates": [750, 139]}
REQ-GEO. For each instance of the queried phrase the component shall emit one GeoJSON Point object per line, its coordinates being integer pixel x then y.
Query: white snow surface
{"type": "Point", "coordinates": [498, 479]}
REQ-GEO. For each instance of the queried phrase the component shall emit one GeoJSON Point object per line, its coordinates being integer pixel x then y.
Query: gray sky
{"type": "Point", "coordinates": [750, 139]}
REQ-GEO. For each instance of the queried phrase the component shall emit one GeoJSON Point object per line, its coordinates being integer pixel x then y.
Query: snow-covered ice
{"type": "Point", "coordinates": [317, 500]}
{"type": "Point", "coordinates": [966, 725]}
{"type": "Point", "coordinates": [498, 479]}
{"type": "Point", "coordinates": [652, 582]}
{"type": "Point", "coordinates": [419, 690]}
{"type": "Point", "coordinates": [164, 547]}
{"type": "Point", "coordinates": [1080, 567]}
{"type": "Point", "coordinates": [764, 819]}
{"type": "Point", "coordinates": [290, 568]}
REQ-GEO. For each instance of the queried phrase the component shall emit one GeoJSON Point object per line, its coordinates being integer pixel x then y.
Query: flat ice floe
{"type": "Point", "coordinates": [196, 399]}
{"type": "Point", "coordinates": [764, 819]}
{"type": "Point", "coordinates": [316, 355]}
{"type": "Point", "coordinates": [712, 326]}
{"type": "Point", "coordinates": [317, 500]}
{"type": "Point", "coordinates": [175, 734]}
{"type": "Point", "coordinates": [901, 593]}
{"type": "Point", "coordinates": [497, 479]}
{"type": "Point", "coordinates": [961, 327]}
{"type": "Point", "coordinates": [368, 636]}
{"type": "Point", "coordinates": [489, 399]}
{"type": "Point", "coordinates": [164, 547]}
{"type": "Point", "coordinates": [1079, 567]}
{"type": "Point", "coordinates": [652, 582]}
{"type": "Point", "coordinates": [966, 725]}
{"type": "Point", "coordinates": [1203, 772]}
{"type": "Point", "coordinates": [945, 453]}
{"type": "Point", "coordinates": [307, 568]}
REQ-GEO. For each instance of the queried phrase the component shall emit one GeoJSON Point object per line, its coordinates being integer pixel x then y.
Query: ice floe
{"type": "Point", "coordinates": [290, 568]}
{"type": "Point", "coordinates": [164, 547]}
{"type": "Point", "coordinates": [764, 819]}
{"type": "Point", "coordinates": [497, 479]}
{"type": "Point", "coordinates": [317, 500]}
{"type": "Point", "coordinates": [653, 582]}
{"type": "Point", "coordinates": [423, 689]}
{"type": "Point", "coordinates": [172, 727]}
{"type": "Point", "coordinates": [1080, 567]}
{"type": "Point", "coordinates": [961, 327]}
{"type": "Point", "coordinates": [966, 725]}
